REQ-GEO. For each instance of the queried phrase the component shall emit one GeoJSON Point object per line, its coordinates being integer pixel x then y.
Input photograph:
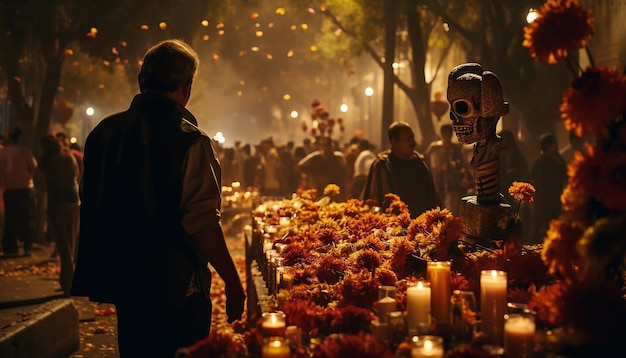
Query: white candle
{"type": "Point", "coordinates": [438, 273]}
{"type": "Point", "coordinates": [427, 347]}
{"type": "Point", "coordinates": [284, 221]}
{"type": "Point", "coordinates": [273, 324]}
{"type": "Point", "coordinates": [493, 285]}
{"type": "Point", "coordinates": [418, 299]}
{"type": "Point", "coordinates": [519, 336]}
{"type": "Point", "coordinates": [385, 305]}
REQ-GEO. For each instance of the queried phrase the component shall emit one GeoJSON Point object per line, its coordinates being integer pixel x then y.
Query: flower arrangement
{"type": "Point", "coordinates": [323, 124]}
{"type": "Point", "coordinates": [585, 247]}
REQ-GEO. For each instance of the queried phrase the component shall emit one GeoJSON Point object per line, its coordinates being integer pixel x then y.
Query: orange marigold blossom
{"type": "Point", "coordinates": [601, 175]}
{"type": "Point", "coordinates": [559, 249]}
{"type": "Point", "coordinates": [560, 27]}
{"type": "Point", "coordinates": [522, 191]}
{"type": "Point", "coordinates": [594, 100]}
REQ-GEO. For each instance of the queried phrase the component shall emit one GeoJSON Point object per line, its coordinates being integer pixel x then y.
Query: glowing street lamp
{"type": "Point", "coordinates": [369, 92]}
{"type": "Point", "coordinates": [532, 15]}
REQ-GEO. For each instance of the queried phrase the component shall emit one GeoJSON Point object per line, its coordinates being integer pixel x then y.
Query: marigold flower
{"type": "Point", "coordinates": [560, 27]}
{"type": "Point", "coordinates": [594, 100]}
{"type": "Point", "coordinates": [559, 249]}
{"type": "Point", "coordinates": [368, 259]}
{"type": "Point", "coordinates": [332, 190]}
{"type": "Point", "coordinates": [601, 175]}
{"type": "Point", "coordinates": [522, 191]}
{"type": "Point", "coordinates": [430, 218]}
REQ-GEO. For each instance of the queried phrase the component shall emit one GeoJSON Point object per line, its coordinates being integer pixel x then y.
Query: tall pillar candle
{"type": "Point", "coordinates": [418, 298]}
{"type": "Point", "coordinates": [438, 273]}
{"type": "Point", "coordinates": [493, 286]}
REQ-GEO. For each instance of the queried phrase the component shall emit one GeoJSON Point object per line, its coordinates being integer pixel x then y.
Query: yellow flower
{"type": "Point", "coordinates": [331, 190]}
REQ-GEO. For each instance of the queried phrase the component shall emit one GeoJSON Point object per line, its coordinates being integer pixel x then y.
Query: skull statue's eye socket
{"type": "Point", "coordinates": [463, 108]}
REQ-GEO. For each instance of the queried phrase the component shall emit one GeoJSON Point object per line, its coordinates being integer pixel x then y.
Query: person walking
{"type": "Point", "coordinates": [401, 170]}
{"type": "Point", "coordinates": [150, 214]}
{"type": "Point", "coordinates": [17, 168]}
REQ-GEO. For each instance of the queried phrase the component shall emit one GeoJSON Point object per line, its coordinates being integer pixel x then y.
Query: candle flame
{"type": "Point", "coordinates": [428, 345]}
{"type": "Point", "coordinates": [494, 274]}
{"type": "Point", "coordinates": [420, 285]}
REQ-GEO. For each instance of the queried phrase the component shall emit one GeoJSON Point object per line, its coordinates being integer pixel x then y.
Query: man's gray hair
{"type": "Point", "coordinates": [168, 66]}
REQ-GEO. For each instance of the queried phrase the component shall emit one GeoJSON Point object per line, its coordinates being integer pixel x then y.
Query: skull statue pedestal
{"type": "Point", "coordinates": [476, 105]}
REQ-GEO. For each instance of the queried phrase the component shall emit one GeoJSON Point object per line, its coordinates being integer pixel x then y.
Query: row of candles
{"type": "Point", "coordinates": [510, 332]}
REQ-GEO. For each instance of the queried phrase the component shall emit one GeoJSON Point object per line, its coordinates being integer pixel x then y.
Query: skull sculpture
{"type": "Point", "coordinates": [476, 105]}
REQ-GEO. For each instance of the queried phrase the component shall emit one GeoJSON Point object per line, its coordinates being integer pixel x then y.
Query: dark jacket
{"type": "Point", "coordinates": [131, 240]}
{"type": "Point", "coordinates": [410, 179]}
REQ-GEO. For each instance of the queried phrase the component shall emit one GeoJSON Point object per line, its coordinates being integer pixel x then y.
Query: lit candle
{"type": "Point", "coordinates": [427, 347]}
{"type": "Point", "coordinates": [418, 300]}
{"type": "Point", "coordinates": [273, 324]}
{"type": "Point", "coordinates": [284, 221]}
{"type": "Point", "coordinates": [493, 286]}
{"type": "Point", "coordinates": [276, 347]}
{"type": "Point", "coordinates": [519, 336]}
{"type": "Point", "coordinates": [286, 281]}
{"type": "Point", "coordinates": [438, 273]}
{"type": "Point", "coordinates": [272, 229]}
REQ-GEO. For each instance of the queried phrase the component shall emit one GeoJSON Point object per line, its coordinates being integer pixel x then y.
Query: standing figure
{"type": "Point", "coordinates": [401, 170]}
{"type": "Point", "coordinates": [60, 173]}
{"type": "Point", "coordinates": [445, 160]}
{"type": "Point", "coordinates": [17, 168]}
{"type": "Point", "coordinates": [150, 214]}
{"type": "Point", "coordinates": [324, 166]}
{"type": "Point", "coordinates": [362, 166]}
{"type": "Point", "coordinates": [548, 174]}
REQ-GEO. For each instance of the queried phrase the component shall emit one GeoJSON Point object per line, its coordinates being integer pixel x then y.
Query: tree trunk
{"type": "Point", "coordinates": [388, 81]}
{"type": "Point", "coordinates": [420, 94]}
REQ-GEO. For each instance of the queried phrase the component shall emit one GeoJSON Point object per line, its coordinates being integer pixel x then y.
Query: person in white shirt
{"type": "Point", "coordinates": [17, 168]}
{"type": "Point", "coordinates": [362, 165]}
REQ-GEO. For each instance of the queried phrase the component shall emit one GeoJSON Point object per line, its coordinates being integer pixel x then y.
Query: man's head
{"type": "Point", "coordinates": [548, 143]}
{"type": "Point", "coordinates": [446, 132]}
{"type": "Point", "coordinates": [364, 144]}
{"type": "Point", "coordinates": [402, 139]}
{"type": "Point", "coordinates": [167, 67]}
{"type": "Point", "coordinates": [13, 134]}
{"type": "Point", "coordinates": [325, 145]}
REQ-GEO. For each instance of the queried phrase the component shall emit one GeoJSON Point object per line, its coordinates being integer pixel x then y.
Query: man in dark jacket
{"type": "Point", "coordinates": [402, 171]}
{"type": "Point", "coordinates": [150, 221]}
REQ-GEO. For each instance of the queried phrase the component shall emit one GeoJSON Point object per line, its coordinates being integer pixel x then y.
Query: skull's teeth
{"type": "Point", "coordinates": [462, 129]}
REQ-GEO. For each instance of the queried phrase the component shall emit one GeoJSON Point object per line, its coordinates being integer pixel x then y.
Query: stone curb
{"type": "Point", "coordinates": [49, 331]}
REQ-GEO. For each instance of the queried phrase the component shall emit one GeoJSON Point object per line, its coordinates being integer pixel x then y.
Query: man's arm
{"type": "Point", "coordinates": [200, 203]}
